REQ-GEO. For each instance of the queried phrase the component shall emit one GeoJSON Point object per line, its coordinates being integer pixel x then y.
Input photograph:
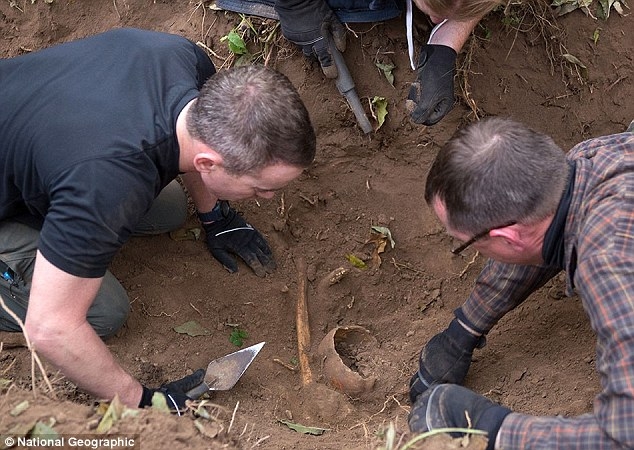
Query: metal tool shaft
{"type": "Point", "coordinates": [345, 85]}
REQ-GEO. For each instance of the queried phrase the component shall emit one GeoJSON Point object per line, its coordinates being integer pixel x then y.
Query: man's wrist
{"type": "Point", "coordinates": [217, 213]}
{"type": "Point", "coordinates": [146, 397]}
{"type": "Point", "coordinates": [466, 323]}
{"type": "Point", "coordinates": [465, 339]}
{"type": "Point", "coordinates": [468, 328]}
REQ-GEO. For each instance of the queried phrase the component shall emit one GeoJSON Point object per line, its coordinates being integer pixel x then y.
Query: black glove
{"type": "Point", "coordinates": [229, 233]}
{"type": "Point", "coordinates": [311, 24]}
{"type": "Point", "coordinates": [445, 359]}
{"type": "Point", "coordinates": [448, 405]}
{"type": "Point", "coordinates": [432, 92]}
{"type": "Point", "coordinates": [174, 392]}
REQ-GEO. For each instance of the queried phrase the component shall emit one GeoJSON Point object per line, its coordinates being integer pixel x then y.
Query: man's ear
{"type": "Point", "coordinates": [511, 234]}
{"type": "Point", "coordinates": [206, 161]}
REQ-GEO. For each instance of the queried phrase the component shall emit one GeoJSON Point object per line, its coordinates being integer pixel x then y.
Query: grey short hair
{"type": "Point", "coordinates": [495, 171]}
{"type": "Point", "coordinates": [254, 117]}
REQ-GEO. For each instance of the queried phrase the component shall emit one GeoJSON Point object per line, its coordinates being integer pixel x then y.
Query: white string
{"type": "Point", "coordinates": [248, 227]}
{"type": "Point", "coordinates": [410, 35]}
{"type": "Point", "coordinates": [174, 403]}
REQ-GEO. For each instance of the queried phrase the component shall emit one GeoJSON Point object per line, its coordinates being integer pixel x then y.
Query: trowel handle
{"type": "Point", "coordinates": [198, 391]}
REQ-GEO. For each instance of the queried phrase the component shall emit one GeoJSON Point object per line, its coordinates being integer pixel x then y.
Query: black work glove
{"type": "Point", "coordinates": [174, 392]}
{"type": "Point", "coordinates": [448, 405]}
{"type": "Point", "coordinates": [431, 96]}
{"type": "Point", "coordinates": [444, 359]}
{"type": "Point", "coordinates": [311, 24]}
{"type": "Point", "coordinates": [230, 233]}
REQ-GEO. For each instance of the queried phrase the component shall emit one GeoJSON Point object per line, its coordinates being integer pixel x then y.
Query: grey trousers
{"type": "Point", "coordinates": [110, 309]}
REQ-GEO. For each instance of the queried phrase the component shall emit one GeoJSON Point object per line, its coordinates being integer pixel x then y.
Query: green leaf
{"type": "Point", "coordinates": [159, 403]}
{"type": "Point", "coordinates": [356, 262]}
{"type": "Point", "coordinates": [302, 428]}
{"type": "Point", "coordinates": [40, 429]}
{"type": "Point", "coordinates": [387, 71]}
{"type": "Point", "coordinates": [192, 328]}
{"type": "Point", "coordinates": [111, 416]}
{"type": "Point", "coordinates": [238, 336]}
{"type": "Point", "coordinates": [235, 42]}
{"type": "Point", "coordinates": [380, 105]}
{"type": "Point", "coordinates": [19, 408]}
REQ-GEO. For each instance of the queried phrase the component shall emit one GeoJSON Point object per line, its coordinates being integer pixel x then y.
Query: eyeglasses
{"type": "Point", "coordinates": [479, 236]}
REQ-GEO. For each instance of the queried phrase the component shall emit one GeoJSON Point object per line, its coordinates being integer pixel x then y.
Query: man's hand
{"type": "Point", "coordinates": [311, 24]}
{"type": "Point", "coordinates": [230, 233]}
{"type": "Point", "coordinates": [174, 392]}
{"type": "Point", "coordinates": [445, 359]}
{"type": "Point", "coordinates": [431, 96]}
{"type": "Point", "coordinates": [453, 406]}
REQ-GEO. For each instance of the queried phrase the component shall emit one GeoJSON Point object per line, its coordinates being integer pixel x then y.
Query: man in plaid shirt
{"type": "Point", "coordinates": [517, 198]}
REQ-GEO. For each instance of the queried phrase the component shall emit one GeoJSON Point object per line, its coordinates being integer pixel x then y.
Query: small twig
{"type": "Point", "coordinates": [233, 416]}
{"type": "Point", "coordinates": [195, 309]}
{"type": "Point", "coordinates": [407, 266]}
{"type": "Point", "coordinates": [427, 434]}
{"type": "Point", "coordinates": [313, 201]}
{"type": "Point", "coordinates": [428, 304]}
{"type": "Point", "coordinates": [283, 364]}
{"type": "Point", "coordinates": [4, 372]}
{"type": "Point", "coordinates": [282, 208]}
{"type": "Point", "coordinates": [34, 356]}
{"type": "Point", "coordinates": [259, 441]}
{"type": "Point", "coordinates": [161, 314]}
{"type": "Point", "coordinates": [621, 78]}
{"type": "Point", "coordinates": [469, 264]}
{"type": "Point", "coordinates": [114, 2]}
{"type": "Point", "coordinates": [211, 52]}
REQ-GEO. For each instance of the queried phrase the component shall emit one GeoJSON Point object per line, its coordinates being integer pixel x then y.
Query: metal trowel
{"type": "Point", "coordinates": [223, 373]}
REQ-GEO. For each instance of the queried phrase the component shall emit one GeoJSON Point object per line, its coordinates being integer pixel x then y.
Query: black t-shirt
{"type": "Point", "coordinates": [88, 138]}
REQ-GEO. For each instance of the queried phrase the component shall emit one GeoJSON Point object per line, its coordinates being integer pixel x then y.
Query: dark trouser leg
{"type": "Point", "coordinates": [168, 212]}
{"type": "Point", "coordinates": [18, 243]}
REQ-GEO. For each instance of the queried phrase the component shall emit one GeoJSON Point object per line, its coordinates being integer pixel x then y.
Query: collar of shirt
{"type": "Point", "coordinates": [553, 250]}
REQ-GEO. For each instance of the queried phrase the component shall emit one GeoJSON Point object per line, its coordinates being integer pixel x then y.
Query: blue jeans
{"type": "Point", "coordinates": [110, 309]}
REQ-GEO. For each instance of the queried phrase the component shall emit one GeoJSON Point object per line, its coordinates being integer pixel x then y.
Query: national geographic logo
{"type": "Point", "coordinates": [71, 442]}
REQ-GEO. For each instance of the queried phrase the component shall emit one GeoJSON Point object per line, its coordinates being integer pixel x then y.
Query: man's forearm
{"type": "Point", "coordinates": [453, 34]}
{"type": "Point", "coordinates": [85, 360]}
{"type": "Point", "coordinates": [57, 327]}
{"type": "Point", "coordinates": [499, 289]}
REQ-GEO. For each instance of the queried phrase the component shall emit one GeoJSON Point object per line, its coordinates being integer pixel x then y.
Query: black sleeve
{"type": "Point", "coordinates": [94, 208]}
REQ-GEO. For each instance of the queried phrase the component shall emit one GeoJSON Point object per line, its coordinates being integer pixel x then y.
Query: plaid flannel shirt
{"type": "Point", "coordinates": [599, 264]}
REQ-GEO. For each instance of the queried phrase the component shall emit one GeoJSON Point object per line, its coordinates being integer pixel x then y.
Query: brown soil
{"type": "Point", "coordinates": [539, 359]}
